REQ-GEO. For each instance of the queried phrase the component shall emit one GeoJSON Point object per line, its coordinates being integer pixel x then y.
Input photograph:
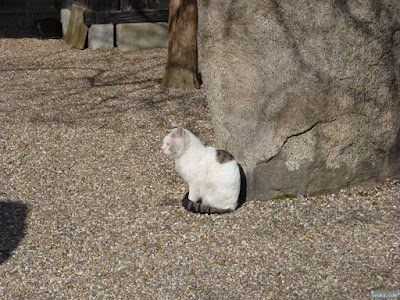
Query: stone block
{"type": "Point", "coordinates": [65, 13]}
{"type": "Point", "coordinates": [304, 94]}
{"type": "Point", "coordinates": [142, 36]}
{"type": "Point", "coordinates": [101, 36]}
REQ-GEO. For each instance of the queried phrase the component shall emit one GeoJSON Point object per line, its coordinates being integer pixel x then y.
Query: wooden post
{"type": "Point", "coordinates": [181, 69]}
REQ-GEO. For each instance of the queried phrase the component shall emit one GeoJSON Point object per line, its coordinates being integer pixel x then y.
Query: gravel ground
{"type": "Point", "coordinates": [90, 207]}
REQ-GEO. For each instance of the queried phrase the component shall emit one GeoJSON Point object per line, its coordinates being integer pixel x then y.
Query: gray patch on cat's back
{"type": "Point", "coordinates": [224, 156]}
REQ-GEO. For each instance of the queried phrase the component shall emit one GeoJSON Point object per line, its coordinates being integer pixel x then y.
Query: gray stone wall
{"type": "Point", "coordinates": [305, 94]}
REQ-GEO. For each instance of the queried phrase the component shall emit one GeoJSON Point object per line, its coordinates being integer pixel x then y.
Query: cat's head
{"type": "Point", "coordinates": [176, 142]}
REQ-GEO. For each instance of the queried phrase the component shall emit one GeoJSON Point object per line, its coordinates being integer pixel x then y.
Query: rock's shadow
{"type": "Point", "coordinates": [12, 227]}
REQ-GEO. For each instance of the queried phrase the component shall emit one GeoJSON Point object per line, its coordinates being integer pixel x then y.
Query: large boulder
{"type": "Point", "coordinates": [305, 94]}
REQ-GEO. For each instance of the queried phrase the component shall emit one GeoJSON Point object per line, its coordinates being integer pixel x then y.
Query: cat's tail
{"type": "Point", "coordinates": [200, 208]}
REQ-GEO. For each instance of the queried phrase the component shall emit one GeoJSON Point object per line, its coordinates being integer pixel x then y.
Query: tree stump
{"type": "Point", "coordinates": [181, 68]}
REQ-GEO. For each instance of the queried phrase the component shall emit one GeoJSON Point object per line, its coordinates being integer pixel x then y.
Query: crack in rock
{"type": "Point", "coordinates": [295, 135]}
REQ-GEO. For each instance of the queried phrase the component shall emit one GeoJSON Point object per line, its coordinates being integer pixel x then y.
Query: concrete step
{"type": "Point", "coordinates": [135, 36]}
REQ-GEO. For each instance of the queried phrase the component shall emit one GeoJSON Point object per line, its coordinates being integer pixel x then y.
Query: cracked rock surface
{"type": "Point", "coordinates": [91, 209]}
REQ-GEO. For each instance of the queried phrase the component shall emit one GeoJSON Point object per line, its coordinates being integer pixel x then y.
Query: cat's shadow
{"type": "Point", "coordinates": [243, 187]}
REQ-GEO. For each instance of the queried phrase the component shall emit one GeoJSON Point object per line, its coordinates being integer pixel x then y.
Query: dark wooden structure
{"type": "Point", "coordinates": [120, 11]}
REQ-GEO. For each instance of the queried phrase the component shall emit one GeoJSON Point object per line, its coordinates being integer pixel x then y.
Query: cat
{"type": "Point", "coordinates": [213, 175]}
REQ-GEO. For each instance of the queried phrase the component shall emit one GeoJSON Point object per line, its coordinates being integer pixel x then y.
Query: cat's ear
{"type": "Point", "coordinates": [180, 132]}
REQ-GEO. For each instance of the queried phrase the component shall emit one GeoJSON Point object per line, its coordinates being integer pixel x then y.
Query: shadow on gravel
{"type": "Point", "coordinates": [12, 227]}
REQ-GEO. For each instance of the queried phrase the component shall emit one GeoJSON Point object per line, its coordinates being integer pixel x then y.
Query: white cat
{"type": "Point", "coordinates": [213, 175]}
